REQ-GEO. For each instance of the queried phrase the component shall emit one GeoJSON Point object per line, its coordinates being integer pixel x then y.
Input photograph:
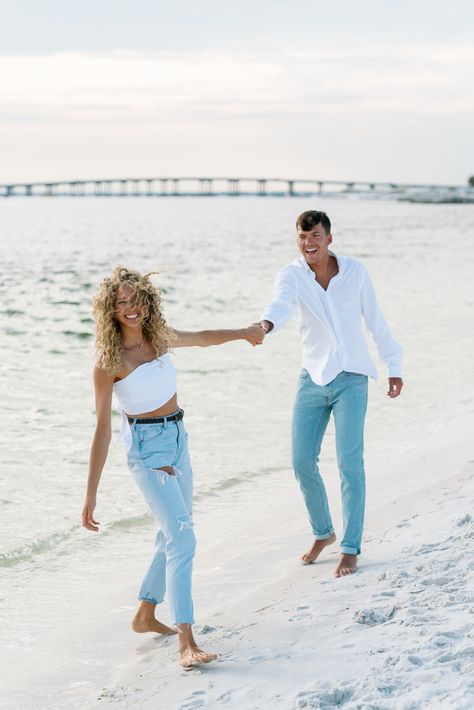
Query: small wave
{"type": "Point", "coordinates": [53, 543]}
{"type": "Point", "coordinates": [82, 335]}
{"type": "Point", "coordinates": [12, 331]}
{"type": "Point", "coordinates": [135, 520]}
{"type": "Point", "coordinates": [13, 312]}
{"type": "Point", "coordinates": [228, 483]}
{"type": "Point", "coordinates": [37, 547]}
{"type": "Point", "coordinates": [65, 302]}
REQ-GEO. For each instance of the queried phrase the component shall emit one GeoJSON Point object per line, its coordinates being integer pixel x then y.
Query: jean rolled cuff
{"type": "Point", "coordinates": [350, 550]}
{"type": "Point", "coordinates": [152, 600]}
{"type": "Point", "coordinates": [324, 536]}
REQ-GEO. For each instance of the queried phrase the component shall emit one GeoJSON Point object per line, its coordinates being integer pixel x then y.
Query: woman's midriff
{"type": "Point", "coordinates": [168, 408]}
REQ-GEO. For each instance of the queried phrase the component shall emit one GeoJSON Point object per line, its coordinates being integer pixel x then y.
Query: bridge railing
{"type": "Point", "coordinates": [204, 187]}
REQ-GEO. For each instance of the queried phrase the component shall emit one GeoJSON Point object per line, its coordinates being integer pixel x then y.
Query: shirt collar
{"type": "Point", "coordinates": [301, 261]}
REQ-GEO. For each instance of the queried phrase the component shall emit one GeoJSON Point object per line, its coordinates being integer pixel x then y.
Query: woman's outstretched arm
{"type": "Point", "coordinates": [254, 335]}
{"type": "Point", "coordinates": [103, 383]}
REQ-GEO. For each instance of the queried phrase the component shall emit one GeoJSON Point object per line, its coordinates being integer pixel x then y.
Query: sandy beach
{"type": "Point", "coordinates": [398, 634]}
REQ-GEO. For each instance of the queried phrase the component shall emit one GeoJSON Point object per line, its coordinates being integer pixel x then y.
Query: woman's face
{"type": "Point", "coordinates": [128, 311]}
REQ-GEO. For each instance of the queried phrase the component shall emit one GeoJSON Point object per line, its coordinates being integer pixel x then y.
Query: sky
{"type": "Point", "coordinates": [367, 90]}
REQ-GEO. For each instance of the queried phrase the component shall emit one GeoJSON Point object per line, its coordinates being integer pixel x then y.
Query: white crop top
{"type": "Point", "coordinates": [146, 388]}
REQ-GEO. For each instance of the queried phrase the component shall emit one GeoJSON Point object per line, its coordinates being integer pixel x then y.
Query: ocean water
{"type": "Point", "coordinates": [217, 260]}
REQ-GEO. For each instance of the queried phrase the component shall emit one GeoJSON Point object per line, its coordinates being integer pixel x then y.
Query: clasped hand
{"type": "Point", "coordinates": [254, 334]}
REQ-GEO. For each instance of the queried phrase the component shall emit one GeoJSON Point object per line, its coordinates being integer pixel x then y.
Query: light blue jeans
{"type": "Point", "coordinates": [169, 498]}
{"type": "Point", "coordinates": [346, 398]}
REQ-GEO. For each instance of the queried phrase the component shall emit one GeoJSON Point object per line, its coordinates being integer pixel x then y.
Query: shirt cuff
{"type": "Point", "coordinates": [395, 371]}
{"type": "Point", "coordinates": [270, 320]}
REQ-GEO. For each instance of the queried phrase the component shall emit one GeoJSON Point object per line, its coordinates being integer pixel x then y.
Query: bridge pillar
{"type": "Point", "coordinates": [136, 188]}
{"type": "Point", "coordinates": [291, 188]}
{"type": "Point", "coordinates": [28, 190]}
{"type": "Point", "coordinates": [149, 187]}
{"type": "Point", "coordinates": [175, 186]}
{"type": "Point", "coordinates": [164, 186]}
{"type": "Point", "coordinates": [320, 187]}
{"type": "Point", "coordinates": [350, 186]}
{"type": "Point", "coordinates": [205, 186]}
{"type": "Point", "coordinates": [233, 186]}
{"type": "Point", "coordinates": [49, 189]}
{"type": "Point", "coordinates": [123, 188]}
{"type": "Point", "coordinates": [262, 188]}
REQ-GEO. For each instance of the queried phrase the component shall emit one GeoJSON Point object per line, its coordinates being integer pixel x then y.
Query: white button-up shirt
{"type": "Point", "coordinates": [330, 322]}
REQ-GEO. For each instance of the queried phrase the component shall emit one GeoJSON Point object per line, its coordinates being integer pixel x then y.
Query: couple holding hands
{"type": "Point", "coordinates": [331, 296]}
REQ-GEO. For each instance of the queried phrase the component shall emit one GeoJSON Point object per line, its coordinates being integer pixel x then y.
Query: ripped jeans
{"type": "Point", "coordinates": [169, 497]}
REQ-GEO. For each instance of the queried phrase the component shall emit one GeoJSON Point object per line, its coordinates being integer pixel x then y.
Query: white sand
{"type": "Point", "coordinates": [398, 634]}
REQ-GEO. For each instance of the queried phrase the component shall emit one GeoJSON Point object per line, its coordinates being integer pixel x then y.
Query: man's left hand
{"type": "Point", "coordinates": [395, 385]}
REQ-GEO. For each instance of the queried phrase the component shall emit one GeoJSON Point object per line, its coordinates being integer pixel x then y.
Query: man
{"type": "Point", "coordinates": [330, 295]}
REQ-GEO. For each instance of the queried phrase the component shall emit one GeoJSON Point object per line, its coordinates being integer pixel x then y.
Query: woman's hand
{"type": "Point", "coordinates": [88, 521]}
{"type": "Point", "coordinates": [254, 334]}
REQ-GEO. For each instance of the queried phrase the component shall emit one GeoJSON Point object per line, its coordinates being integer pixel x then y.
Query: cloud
{"type": "Point", "coordinates": [197, 86]}
{"type": "Point", "coordinates": [368, 113]}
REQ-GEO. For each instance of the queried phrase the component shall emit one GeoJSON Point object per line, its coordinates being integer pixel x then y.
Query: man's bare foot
{"type": "Point", "coordinates": [347, 565]}
{"type": "Point", "coordinates": [318, 546]}
{"type": "Point", "coordinates": [144, 621]}
{"type": "Point", "coordinates": [189, 652]}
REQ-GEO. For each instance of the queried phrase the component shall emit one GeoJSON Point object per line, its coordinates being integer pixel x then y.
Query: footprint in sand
{"type": "Point", "coordinates": [196, 700]}
{"type": "Point", "coordinates": [436, 581]}
{"type": "Point", "coordinates": [374, 617]}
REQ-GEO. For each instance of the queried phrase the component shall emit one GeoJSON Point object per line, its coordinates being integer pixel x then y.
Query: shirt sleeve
{"type": "Point", "coordinates": [283, 304]}
{"type": "Point", "coordinates": [389, 350]}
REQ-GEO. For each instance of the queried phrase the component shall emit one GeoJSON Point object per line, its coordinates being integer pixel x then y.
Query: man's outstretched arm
{"type": "Point", "coordinates": [283, 304]}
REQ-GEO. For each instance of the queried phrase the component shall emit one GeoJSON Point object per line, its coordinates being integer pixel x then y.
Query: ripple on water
{"type": "Point", "coordinates": [82, 335]}
{"type": "Point", "coordinates": [13, 312]}
{"type": "Point", "coordinates": [13, 331]}
{"type": "Point", "coordinates": [65, 302]}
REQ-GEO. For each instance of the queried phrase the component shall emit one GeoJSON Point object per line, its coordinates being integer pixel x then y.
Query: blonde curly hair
{"type": "Point", "coordinates": [108, 338]}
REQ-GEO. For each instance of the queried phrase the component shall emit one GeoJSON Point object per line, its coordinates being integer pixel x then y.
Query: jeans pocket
{"type": "Point", "coordinates": [152, 432]}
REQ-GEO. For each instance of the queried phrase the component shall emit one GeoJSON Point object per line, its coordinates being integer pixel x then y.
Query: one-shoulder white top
{"type": "Point", "coordinates": [146, 388]}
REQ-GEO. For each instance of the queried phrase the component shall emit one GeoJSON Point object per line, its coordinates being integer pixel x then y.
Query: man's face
{"type": "Point", "coordinates": [314, 244]}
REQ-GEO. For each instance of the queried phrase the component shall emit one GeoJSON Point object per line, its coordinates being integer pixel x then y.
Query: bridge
{"type": "Point", "coordinates": [204, 187]}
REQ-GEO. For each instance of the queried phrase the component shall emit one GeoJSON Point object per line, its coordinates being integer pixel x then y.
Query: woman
{"type": "Point", "coordinates": [133, 364]}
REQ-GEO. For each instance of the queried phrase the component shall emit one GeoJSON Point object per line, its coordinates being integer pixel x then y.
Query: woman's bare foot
{"type": "Point", "coordinates": [347, 565]}
{"type": "Point", "coordinates": [144, 621]}
{"type": "Point", "coordinates": [318, 546]}
{"type": "Point", "coordinates": [189, 652]}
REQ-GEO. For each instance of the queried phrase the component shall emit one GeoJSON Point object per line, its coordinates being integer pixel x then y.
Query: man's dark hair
{"type": "Point", "coordinates": [309, 219]}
